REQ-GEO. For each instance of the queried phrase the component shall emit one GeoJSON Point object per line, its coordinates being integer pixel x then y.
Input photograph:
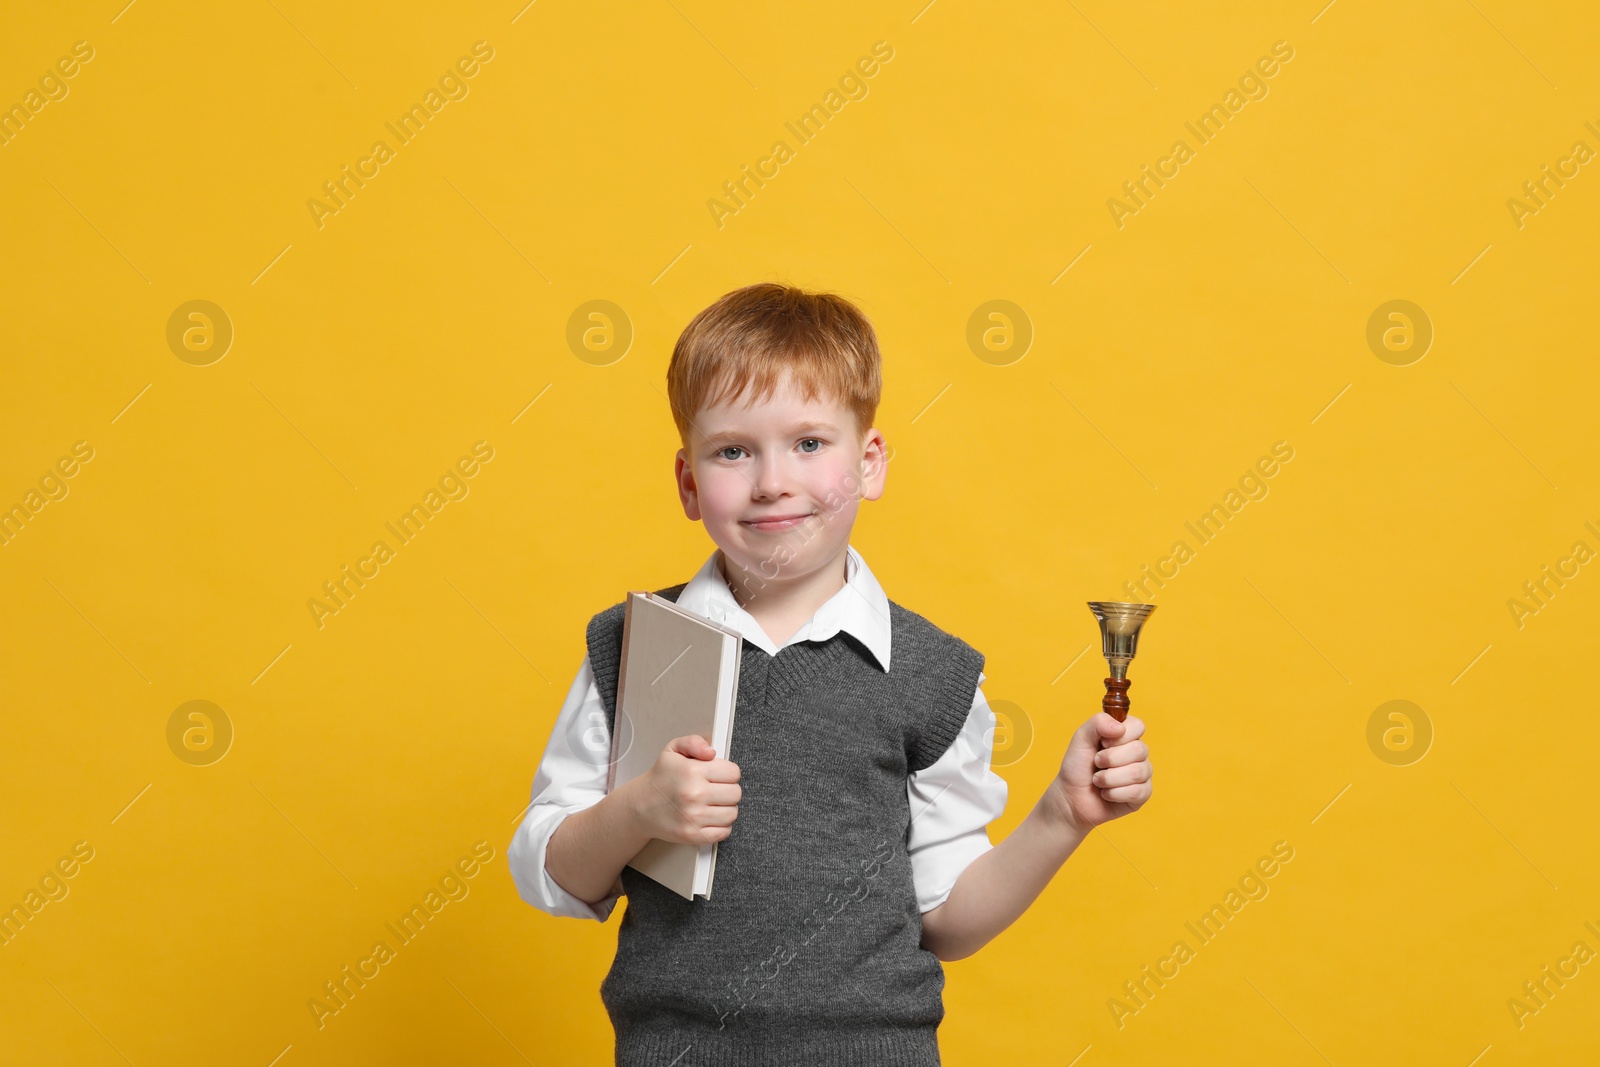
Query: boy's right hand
{"type": "Point", "coordinates": [689, 795]}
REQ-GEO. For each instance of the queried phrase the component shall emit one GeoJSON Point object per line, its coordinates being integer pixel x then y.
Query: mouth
{"type": "Point", "coordinates": [777, 523]}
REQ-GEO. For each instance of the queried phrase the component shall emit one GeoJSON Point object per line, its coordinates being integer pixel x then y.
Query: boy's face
{"type": "Point", "coordinates": [785, 458]}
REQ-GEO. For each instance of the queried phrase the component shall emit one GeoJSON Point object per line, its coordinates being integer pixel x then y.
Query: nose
{"type": "Point", "coordinates": [772, 478]}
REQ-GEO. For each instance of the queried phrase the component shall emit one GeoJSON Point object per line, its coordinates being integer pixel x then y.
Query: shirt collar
{"type": "Point", "coordinates": [860, 609]}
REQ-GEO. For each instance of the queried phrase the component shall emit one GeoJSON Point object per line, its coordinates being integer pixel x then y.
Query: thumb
{"type": "Point", "coordinates": [1101, 728]}
{"type": "Point", "coordinates": [694, 746]}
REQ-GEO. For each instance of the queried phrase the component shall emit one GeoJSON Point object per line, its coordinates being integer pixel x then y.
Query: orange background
{"type": "Point", "coordinates": [1134, 377]}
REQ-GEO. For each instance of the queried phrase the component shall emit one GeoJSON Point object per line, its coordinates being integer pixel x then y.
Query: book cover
{"type": "Point", "coordinates": [679, 675]}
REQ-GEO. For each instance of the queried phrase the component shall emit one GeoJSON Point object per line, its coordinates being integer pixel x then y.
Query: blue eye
{"type": "Point", "coordinates": [813, 451]}
{"type": "Point", "coordinates": [729, 448]}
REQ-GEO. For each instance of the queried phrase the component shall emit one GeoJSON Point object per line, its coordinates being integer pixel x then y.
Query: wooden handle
{"type": "Point", "coordinates": [1115, 702]}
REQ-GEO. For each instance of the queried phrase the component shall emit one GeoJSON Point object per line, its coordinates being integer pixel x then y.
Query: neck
{"type": "Point", "coordinates": [800, 596]}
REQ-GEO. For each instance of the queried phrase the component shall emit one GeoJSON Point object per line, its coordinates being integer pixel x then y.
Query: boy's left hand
{"type": "Point", "coordinates": [1097, 784]}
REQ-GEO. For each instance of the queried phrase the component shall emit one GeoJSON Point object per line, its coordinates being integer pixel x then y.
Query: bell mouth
{"type": "Point", "coordinates": [1120, 623]}
{"type": "Point", "coordinates": [1121, 613]}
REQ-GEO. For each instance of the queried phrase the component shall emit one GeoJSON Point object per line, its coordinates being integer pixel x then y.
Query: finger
{"type": "Point", "coordinates": [1134, 729]}
{"type": "Point", "coordinates": [1128, 794]}
{"type": "Point", "coordinates": [721, 770]}
{"type": "Point", "coordinates": [722, 815]}
{"type": "Point", "coordinates": [692, 745]}
{"type": "Point", "coordinates": [1133, 774]}
{"type": "Point", "coordinates": [1122, 755]}
{"type": "Point", "coordinates": [720, 795]}
{"type": "Point", "coordinates": [1101, 729]}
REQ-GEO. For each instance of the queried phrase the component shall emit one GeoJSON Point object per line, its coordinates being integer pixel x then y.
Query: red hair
{"type": "Point", "coordinates": [749, 338]}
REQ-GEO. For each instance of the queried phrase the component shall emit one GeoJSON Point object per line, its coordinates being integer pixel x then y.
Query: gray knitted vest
{"type": "Point", "coordinates": [809, 950]}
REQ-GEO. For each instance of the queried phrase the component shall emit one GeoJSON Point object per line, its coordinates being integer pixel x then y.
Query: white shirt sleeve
{"type": "Point", "coordinates": [952, 803]}
{"type": "Point", "coordinates": [571, 777]}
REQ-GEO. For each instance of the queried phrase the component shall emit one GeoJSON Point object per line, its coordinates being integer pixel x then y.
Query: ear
{"type": "Point", "coordinates": [874, 464]}
{"type": "Point", "coordinates": [688, 493]}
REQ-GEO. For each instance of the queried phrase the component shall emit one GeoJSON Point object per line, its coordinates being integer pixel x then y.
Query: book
{"type": "Point", "coordinates": [679, 675]}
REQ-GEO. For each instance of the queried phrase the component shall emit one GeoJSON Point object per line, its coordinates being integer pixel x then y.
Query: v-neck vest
{"type": "Point", "coordinates": [809, 949]}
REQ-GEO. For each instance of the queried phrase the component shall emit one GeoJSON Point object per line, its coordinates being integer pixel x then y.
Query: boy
{"type": "Point", "coordinates": [853, 854]}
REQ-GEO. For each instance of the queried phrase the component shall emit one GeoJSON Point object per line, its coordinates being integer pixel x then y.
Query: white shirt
{"type": "Point", "coordinates": [952, 801]}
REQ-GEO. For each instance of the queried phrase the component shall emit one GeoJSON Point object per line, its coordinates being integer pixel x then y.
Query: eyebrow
{"type": "Point", "coordinates": [798, 428]}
